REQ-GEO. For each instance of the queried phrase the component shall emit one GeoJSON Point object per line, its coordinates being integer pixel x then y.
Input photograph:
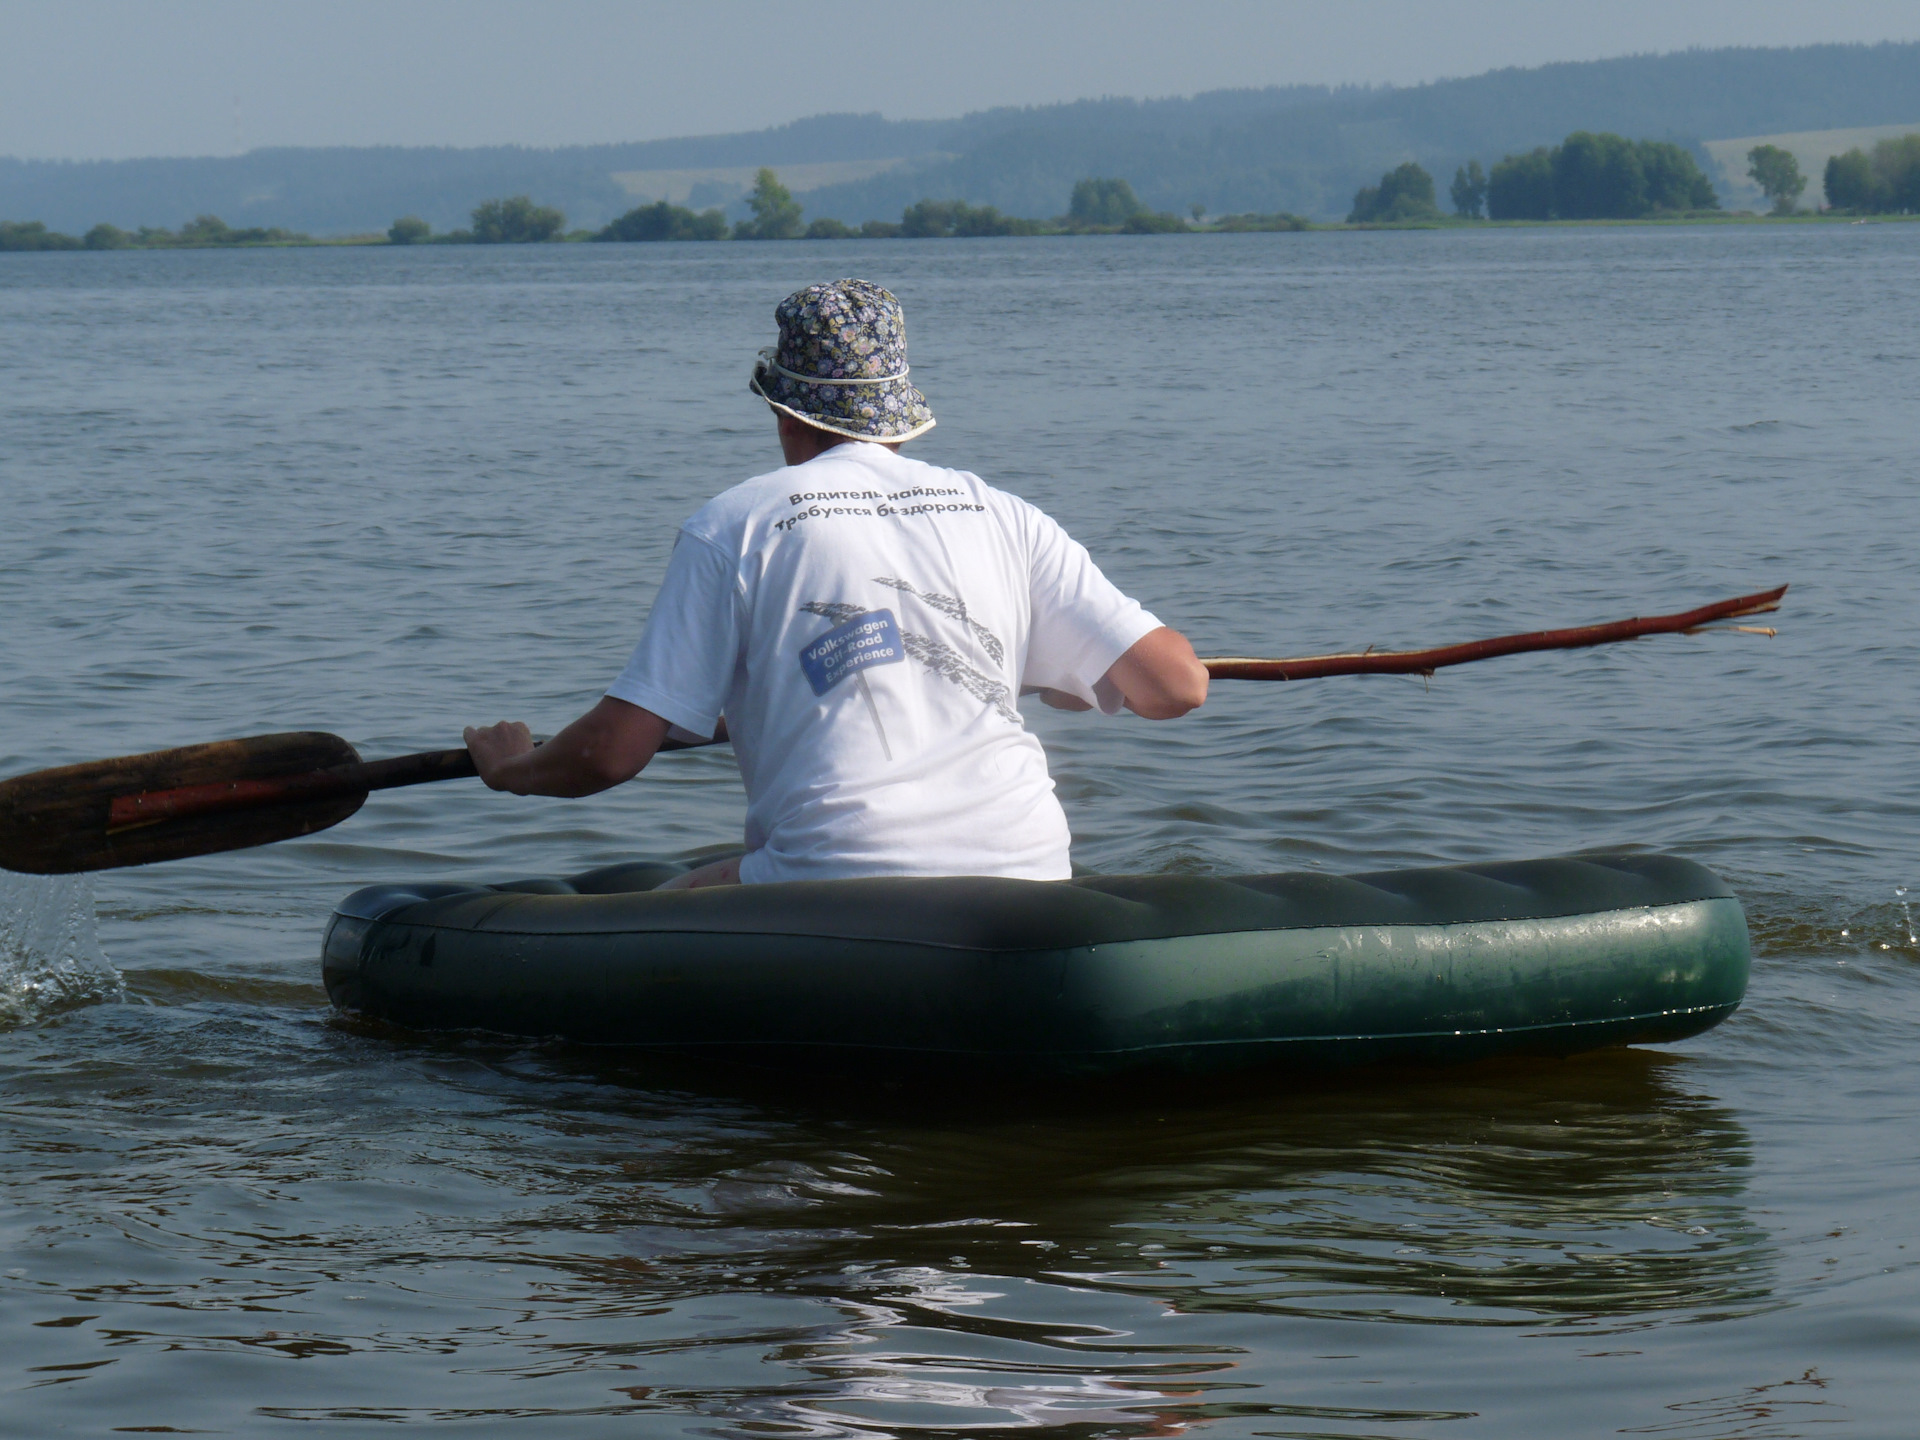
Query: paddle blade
{"type": "Point", "coordinates": [55, 822]}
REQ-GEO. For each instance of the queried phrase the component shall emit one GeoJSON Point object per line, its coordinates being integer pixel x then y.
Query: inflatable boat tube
{"type": "Point", "coordinates": [1100, 973]}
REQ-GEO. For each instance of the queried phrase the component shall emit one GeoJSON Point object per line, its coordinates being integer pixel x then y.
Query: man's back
{"type": "Point", "coordinates": [866, 622]}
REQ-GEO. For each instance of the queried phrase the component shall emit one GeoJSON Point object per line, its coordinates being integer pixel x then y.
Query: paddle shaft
{"type": "Point", "coordinates": [141, 808]}
{"type": "Point", "coordinates": [153, 806]}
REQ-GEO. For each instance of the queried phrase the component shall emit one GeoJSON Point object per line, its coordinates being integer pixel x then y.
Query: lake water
{"type": "Point", "coordinates": [389, 492]}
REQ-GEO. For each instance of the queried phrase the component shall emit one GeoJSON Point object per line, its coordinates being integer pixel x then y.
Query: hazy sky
{"type": "Point", "coordinates": [100, 78]}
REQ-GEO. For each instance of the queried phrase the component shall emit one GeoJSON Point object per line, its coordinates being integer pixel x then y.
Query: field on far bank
{"type": "Point", "coordinates": [1810, 148]}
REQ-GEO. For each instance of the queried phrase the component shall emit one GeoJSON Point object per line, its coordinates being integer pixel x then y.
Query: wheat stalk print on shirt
{"type": "Point", "coordinates": [957, 784]}
{"type": "Point", "coordinates": [951, 605]}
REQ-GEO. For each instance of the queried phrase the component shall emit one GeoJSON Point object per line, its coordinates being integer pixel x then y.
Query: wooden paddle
{"type": "Point", "coordinates": [202, 799]}
{"type": "Point", "coordinates": [234, 794]}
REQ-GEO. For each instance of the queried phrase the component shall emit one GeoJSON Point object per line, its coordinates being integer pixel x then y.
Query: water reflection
{"type": "Point", "coordinates": [1007, 1260]}
{"type": "Point", "coordinates": [1759, 1412]}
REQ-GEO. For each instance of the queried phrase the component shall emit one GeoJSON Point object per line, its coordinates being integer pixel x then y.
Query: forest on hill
{"type": "Point", "coordinates": [1310, 155]}
{"type": "Point", "coordinates": [1300, 149]}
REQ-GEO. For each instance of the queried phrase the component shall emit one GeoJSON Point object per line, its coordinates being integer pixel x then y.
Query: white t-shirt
{"type": "Point", "coordinates": [865, 623]}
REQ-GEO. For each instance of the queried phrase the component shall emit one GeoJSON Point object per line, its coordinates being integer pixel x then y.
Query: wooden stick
{"type": "Point", "coordinates": [1425, 662]}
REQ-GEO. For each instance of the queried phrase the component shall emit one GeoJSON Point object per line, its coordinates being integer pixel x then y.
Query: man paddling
{"type": "Point", "coordinates": [865, 624]}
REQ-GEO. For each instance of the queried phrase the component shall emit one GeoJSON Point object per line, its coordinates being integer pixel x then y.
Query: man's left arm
{"type": "Point", "coordinates": [1078, 614]}
{"type": "Point", "coordinates": [1159, 677]}
{"type": "Point", "coordinates": [607, 746]}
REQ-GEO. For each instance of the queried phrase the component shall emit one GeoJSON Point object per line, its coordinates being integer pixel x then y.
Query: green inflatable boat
{"type": "Point", "coordinates": [1098, 974]}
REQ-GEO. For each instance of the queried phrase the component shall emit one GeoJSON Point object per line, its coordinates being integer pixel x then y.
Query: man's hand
{"type": "Point", "coordinates": [607, 746]}
{"type": "Point", "coordinates": [493, 745]}
{"type": "Point", "coordinates": [1057, 699]}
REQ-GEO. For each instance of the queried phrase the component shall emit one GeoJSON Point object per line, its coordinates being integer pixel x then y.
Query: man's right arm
{"type": "Point", "coordinates": [607, 746]}
{"type": "Point", "coordinates": [680, 669]}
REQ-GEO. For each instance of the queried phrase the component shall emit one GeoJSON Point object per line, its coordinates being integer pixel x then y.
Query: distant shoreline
{"type": "Point", "coordinates": [1303, 227]}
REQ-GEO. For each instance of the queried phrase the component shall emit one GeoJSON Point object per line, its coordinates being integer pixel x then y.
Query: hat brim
{"type": "Point", "coordinates": [889, 411]}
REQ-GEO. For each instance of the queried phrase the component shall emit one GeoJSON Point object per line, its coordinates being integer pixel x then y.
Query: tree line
{"type": "Point", "coordinates": [1885, 182]}
{"type": "Point", "coordinates": [1588, 176]}
{"type": "Point", "coordinates": [1603, 176]}
{"type": "Point", "coordinates": [1594, 176]}
{"type": "Point", "coordinates": [199, 233]}
{"type": "Point", "coordinates": [1404, 194]}
{"type": "Point", "coordinates": [1096, 206]}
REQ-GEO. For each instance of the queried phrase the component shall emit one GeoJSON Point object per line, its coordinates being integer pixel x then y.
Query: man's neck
{"type": "Point", "coordinates": [810, 444]}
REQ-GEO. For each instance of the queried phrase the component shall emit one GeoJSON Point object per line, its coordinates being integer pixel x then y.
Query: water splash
{"type": "Point", "coordinates": [50, 956]}
{"type": "Point", "coordinates": [1906, 911]}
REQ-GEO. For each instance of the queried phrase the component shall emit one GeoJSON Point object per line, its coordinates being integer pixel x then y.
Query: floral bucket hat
{"type": "Point", "coordinates": [841, 364]}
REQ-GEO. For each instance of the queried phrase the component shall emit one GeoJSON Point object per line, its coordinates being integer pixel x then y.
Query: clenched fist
{"type": "Point", "coordinates": [493, 745]}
